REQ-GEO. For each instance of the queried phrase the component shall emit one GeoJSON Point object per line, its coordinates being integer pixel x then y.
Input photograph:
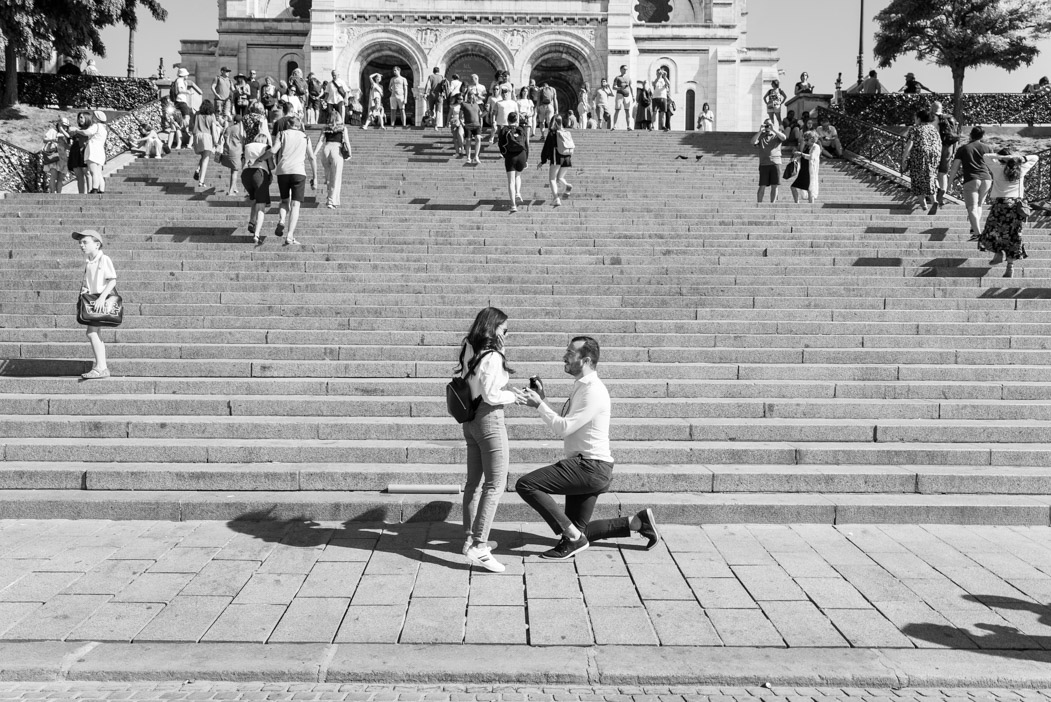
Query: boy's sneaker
{"type": "Point", "coordinates": [95, 374]}
{"type": "Point", "coordinates": [482, 556]}
{"type": "Point", "coordinates": [566, 549]}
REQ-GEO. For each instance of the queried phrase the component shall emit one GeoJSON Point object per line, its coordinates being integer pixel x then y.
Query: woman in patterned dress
{"type": "Point", "coordinates": [1002, 233]}
{"type": "Point", "coordinates": [923, 150]}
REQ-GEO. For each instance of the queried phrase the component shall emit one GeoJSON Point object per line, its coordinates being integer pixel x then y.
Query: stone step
{"type": "Point", "coordinates": [369, 477]}
{"type": "Point", "coordinates": [677, 508]}
{"type": "Point", "coordinates": [453, 451]}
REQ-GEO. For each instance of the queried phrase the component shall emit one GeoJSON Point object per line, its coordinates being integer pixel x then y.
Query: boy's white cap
{"type": "Point", "coordinates": [100, 116]}
{"type": "Point", "coordinates": [88, 232]}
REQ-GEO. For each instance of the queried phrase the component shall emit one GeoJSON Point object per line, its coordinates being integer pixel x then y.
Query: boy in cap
{"type": "Point", "coordinates": [100, 278]}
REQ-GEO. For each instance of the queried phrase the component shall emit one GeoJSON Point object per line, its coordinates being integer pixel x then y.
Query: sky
{"type": "Point", "coordinates": [811, 36]}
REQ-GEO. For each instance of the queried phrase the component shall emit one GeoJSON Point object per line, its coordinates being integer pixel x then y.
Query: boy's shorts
{"type": "Point", "coordinates": [292, 187]}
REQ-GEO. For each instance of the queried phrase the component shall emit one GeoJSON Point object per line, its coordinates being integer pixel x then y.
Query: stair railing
{"type": "Point", "coordinates": [885, 148]}
{"type": "Point", "coordinates": [22, 171]}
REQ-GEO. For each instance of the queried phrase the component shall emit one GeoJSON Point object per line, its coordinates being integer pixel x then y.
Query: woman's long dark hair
{"type": "Point", "coordinates": [1012, 168]}
{"type": "Point", "coordinates": [483, 337]}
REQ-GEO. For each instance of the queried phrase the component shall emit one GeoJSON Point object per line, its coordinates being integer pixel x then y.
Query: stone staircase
{"type": "Point", "coordinates": [840, 362]}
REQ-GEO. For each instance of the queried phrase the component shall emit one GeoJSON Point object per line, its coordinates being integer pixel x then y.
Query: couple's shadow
{"type": "Point", "coordinates": [425, 536]}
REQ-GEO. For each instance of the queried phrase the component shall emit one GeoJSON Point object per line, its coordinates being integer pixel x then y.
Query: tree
{"type": "Point", "coordinates": [301, 8]}
{"type": "Point", "coordinates": [32, 29]}
{"type": "Point", "coordinates": [962, 34]}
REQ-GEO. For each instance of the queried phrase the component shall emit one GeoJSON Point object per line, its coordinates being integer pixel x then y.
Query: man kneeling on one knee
{"type": "Point", "coordinates": [586, 471]}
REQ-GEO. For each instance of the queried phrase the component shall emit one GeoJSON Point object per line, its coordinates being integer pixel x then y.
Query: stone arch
{"type": "Point", "coordinates": [380, 42]}
{"type": "Point", "coordinates": [287, 58]}
{"type": "Point", "coordinates": [673, 69]}
{"type": "Point", "coordinates": [456, 44]}
{"type": "Point", "coordinates": [564, 44]}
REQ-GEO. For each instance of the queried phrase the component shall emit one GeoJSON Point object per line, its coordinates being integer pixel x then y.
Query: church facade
{"type": "Point", "coordinates": [566, 43]}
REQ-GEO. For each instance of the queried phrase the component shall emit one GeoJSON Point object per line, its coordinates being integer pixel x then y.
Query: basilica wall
{"type": "Point", "coordinates": [566, 43]}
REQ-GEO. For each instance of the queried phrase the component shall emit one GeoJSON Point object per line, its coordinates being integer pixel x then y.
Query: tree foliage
{"type": "Point", "coordinates": [301, 8]}
{"type": "Point", "coordinates": [962, 34]}
{"type": "Point", "coordinates": [32, 29]}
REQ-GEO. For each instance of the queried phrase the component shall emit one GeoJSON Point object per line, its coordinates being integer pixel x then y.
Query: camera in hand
{"type": "Point", "coordinates": [537, 386]}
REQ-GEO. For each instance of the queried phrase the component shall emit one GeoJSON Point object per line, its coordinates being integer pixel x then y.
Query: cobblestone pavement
{"type": "Point", "coordinates": [797, 586]}
{"type": "Point", "coordinates": [247, 691]}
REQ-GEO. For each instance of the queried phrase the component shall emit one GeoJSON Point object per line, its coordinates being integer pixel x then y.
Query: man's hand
{"type": "Point", "coordinates": [100, 304]}
{"type": "Point", "coordinates": [525, 396]}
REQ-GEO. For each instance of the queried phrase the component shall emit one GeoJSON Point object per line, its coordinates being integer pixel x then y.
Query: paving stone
{"type": "Point", "coordinates": [78, 559]}
{"type": "Point", "coordinates": [925, 627]}
{"type": "Point", "coordinates": [833, 593]}
{"type": "Point", "coordinates": [154, 587]}
{"type": "Point", "coordinates": [108, 578]}
{"type": "Point", "coordinates": [551, 581]}
{"type": "Point", "coordinates": [243, 547]}
{"type": "Point", "coordinates": [56, 618]}
{"type": "Point", "coordinates": [185, 618]}
{"type": "Point", "coordinates": [393, 563]}
{"type": "Point", "coordinates": [297, 561]}
{"type": "Point", "coordinates": [37, 587]}
{"type": "Point", "coordinates": [183, 560]}
{"type": "Point", "coordinates": [435, 620]}
{"type": "Point", "coordinates": [805, 565]}
{"type": "Point", "coordinates": [661, 582]}
{"type": "Point", "coordinates": [702, 564]}
{"type": "Point", "coordinates": [245, 623]}
{"type": "Point", "coordinates": [384, 589]}
{"type": "Point", "coordinates": [13, 612]}
{"type": "Point", "coordinates": [372, 624]}
{"type": "Point", "coordinates": [621, 625]}
{"type": "Point", "coordinates": [681, 623]}
{"type": "Point", "coordinates": [867, 628]}
{"type": "Point", "coordinates": [721, 593]}
{"type": "Point", "coordinates": [116, 621]}
{"type": "Point", "coordinates": [332, 579]}
{"type": "Point", "coordinates": [604, 562]}
{"type": "Point", "coordinates": [768, 583]}
{"type": "Point", "coordinates": [558, 622]}
{"type": "Point", "coordinates": [270, 588]}
{"type": "Point", "coordinates": [491, 590]}
{"type": "Point", "coordinates": [744, 627]}
{"type": "Point", "coordinates": [439, 580]}
{"type": "Point", "coordinates": [224, 578]}
{"type": "Point", "coordinates": [357, 550]}
{"type": "Point", "coordinates": [609, 592]}
{"type": "Point", "coordinates": [496, 625]}
{"type": "Point", "coordinates": [802, 624]}
{"type": "Point", "coordinates": [311, 619]}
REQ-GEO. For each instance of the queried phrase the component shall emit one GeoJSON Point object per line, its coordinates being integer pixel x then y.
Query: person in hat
{"type": "Point", "coordinates": [100, 278]}
{"type": "Point", "coordinates": [95, 133]}
{"type": "Point", "coordinates": [182, 89]}
{"type": "Point", "coordinates": [223, 90]}
{"type": "Point", "coordinates": [56, 154]}
{"type": "Point", "coordinates": [69, 67]}
{"type": "Point", "coordinates": [913, 86]}
{"type": "Point", "coordinates": [91, 69]}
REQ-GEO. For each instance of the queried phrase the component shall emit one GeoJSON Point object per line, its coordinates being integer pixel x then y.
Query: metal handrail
{"type": "Point", "coordinates": [885, 148]}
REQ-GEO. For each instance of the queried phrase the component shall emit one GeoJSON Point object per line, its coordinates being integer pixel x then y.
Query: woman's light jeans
{"type": "Point", "coordinates": [333, 162]}
{"type": "Point", "coordinates": [487, 460]}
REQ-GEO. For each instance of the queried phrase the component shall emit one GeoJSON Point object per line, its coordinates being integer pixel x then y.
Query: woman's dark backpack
{"type": "Point", "coordinates": [458, 401]}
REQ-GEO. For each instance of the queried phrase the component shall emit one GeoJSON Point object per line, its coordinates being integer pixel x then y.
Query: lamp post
{"type": "Point", "coordinates": [131, 53]}
{"type": "Point", "coordinates": [861, 44]}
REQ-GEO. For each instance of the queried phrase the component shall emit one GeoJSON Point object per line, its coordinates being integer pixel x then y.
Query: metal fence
{"type": "Point", "coordinates": [23, 171]}
{"type": "Point", "coordinates": [886, 148]}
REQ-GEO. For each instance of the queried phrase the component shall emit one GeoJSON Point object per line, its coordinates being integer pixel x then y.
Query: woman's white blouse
{"type": "Point", "coordinates": [489, 381]}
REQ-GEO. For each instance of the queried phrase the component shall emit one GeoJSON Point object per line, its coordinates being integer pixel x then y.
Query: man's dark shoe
{"type": "Point", "coordinates": [566, 549]}
{"type": "Point", "coordinates": [649, 530]}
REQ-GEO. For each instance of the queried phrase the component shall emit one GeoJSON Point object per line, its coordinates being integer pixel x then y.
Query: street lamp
{"type": "Point", "coordinates": [861, 44]}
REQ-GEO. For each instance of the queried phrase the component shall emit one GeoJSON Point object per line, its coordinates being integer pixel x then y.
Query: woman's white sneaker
{"type": "Point", "coordinates": [482, 556]}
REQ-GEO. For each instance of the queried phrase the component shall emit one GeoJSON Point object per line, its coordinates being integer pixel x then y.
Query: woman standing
{"type": "Point", "coordinates": [558, 151]}
{"type": "Point", "coordinates": [706, 120]}
{"type": "Point", "coordinates": [644, 106]}
{"type": "Point", "coordinates": [78, 142]}
{"type": "Point", "coordinates": [804, 86]}
{"type": "Point", "coordinates": [456, 124]}
{"type": "Point", "coordinates": [584, 103]}
{"type": "Point", "coordinates": [774, 98]}
{"type": "Point", "coordinates": [1003, 228]}
{"type": "Point", "coordinates": [923, 150]}
{"type": "Point", "coordinates": [330, 146]}
{"type": "Point", "coordinates": [95, 133]}
{"type": "Point", "coordinates": [488, 455]}
{"type": "Point", "coordinates": [268, 95]}
{"type": "Point", "coordinates": [375, 102]}
{"type": "Point", "coordinates": [204, 139]}
{"type": "Point", "coordinates": [526, 111]}
{"type": "Point", "coordinates": [661, 94]}
{"type": "Point", "coordinates": [809, 164]}
{"type": "Point", "coordinates": [232, 150]}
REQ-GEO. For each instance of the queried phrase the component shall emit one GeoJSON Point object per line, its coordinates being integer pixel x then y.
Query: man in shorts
{"type": "Point", "coordinates": [622, 99]}
{"type": "Point", "coordinates": [828, 139]}
{"type": "Point", "coordinates": [514, 146]}
{"type": "Point", "coordinates": [399, 93]}
{"type": "Point", "coordinates": [768, 140]}
{"type": "Point", "coordinates": [546, 108]}
{"type": "Point", "coordinates": [472, 126]}
{"type": "Point", "coordinates": [436, 89]}
{"type": "Point", "coordinates": [222, 90]}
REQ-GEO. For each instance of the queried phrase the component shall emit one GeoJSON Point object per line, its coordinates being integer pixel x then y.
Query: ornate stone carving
{"type": "Point", "coordinates": [428, 37]}
{"type": "Point", "coordinates": [346, 33]}
{"type": "Point", "coordinates": [516, 38]}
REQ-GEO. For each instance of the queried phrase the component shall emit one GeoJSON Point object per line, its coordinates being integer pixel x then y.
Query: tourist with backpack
{"type": "Point", "coordinates": [514, 145]}
{"type": "Point", "coordinates": [949, 133]}
{"type": "Point", "coordinates": [484, 366]}
{"type": "Point", "coordinates": [437, 91]}
{"type": "Point", "coordinates": [546, 108]}
{"type": "Point", "coordinates": [335, 97]}
{"type": "Point", "coordinates": [558, 151]}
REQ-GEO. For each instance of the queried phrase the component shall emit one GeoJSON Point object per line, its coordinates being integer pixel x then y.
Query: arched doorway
{"type": "Point", "coordinates": [563, 75]}
{"type": "Point", "coordinates": [384, 64]}
{"type": "Point", "coordinates": [464, 65]}
{"type": "Point", "coordinates": [691, 110]}
{"type": "Point", "coordinates": [291, 68]}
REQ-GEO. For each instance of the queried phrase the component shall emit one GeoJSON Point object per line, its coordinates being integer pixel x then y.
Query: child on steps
{"type": "Point", "coordinates": [100, 278]}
